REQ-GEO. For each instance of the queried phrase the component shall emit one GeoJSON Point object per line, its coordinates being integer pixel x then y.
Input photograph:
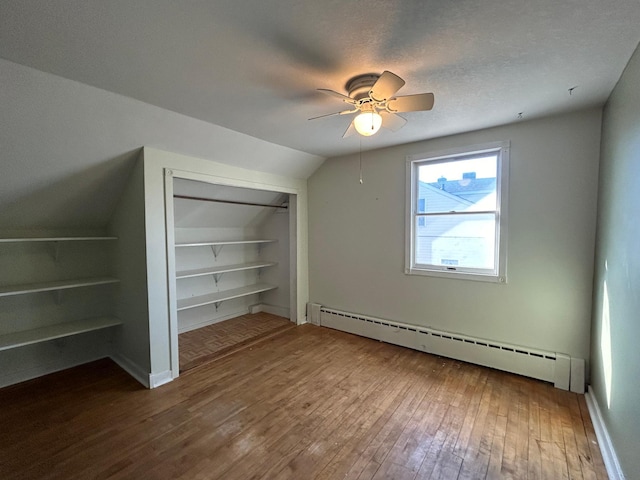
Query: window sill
{"type": "Point", "coordinates": [457, 275]}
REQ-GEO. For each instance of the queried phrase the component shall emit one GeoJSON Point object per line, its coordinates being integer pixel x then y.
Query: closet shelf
{"type": "Point", "coordinates": [10, 290]}
{"type": "Point", "coordinates": [43, 334]}
{"type": "Point", "coordinates": [223, 269]}
{"type": "Point", "coordinates": [230, 242]}
{"type": "Point", "coordinates": [218, 297]}
{"type": "Point", "coordinates": [55, 239]}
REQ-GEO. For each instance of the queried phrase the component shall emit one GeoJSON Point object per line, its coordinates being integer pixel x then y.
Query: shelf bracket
{"type": "Point", "coordinates": [217, 304]}
{"type": "Point", "coordinates": [216, 250]}
{"type": "Point", "coordinates": [217, 277]}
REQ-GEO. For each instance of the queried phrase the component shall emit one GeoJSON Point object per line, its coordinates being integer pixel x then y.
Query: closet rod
{"type": "Point", "coordinates": [234, 202]}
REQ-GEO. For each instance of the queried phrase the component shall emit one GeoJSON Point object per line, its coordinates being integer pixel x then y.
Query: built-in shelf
{"type": "Point", "coordinates": [10, 290]}
{"type": "Point", "coordinates": [43, 334]}
{"type": "Point", "coordinates": [29, 324]}
{"type": "Point", "coordinates": [229, 242]}
{"type": "Point", "coordinates": [218, 297]}
{"type": "Point", "coordinates": [223, 269]}
{"type": "Point", "coordinates": [55, 239]}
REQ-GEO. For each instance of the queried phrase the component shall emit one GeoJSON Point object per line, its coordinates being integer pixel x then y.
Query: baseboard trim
{"type": "Point", "coordinates": [159, 379]}
{"type": "Point", "coordinates": [211, 321]}
{"type": "Point", "coordinates": [14, 378]}
{"type": "Point", "coordinates": [283, 312]}
{"type": "Point", "coordinates": [275, 310]}
{"type": "Point", "coordinates": [133, 369]}
{"type": "Point", "coordinates": [604, 440]}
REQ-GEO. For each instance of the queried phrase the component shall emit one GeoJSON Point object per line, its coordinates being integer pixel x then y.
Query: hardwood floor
{"type": "Point", "coordinates": [308, 403]}
{"type": "Point", "coordinates": [214, 341]}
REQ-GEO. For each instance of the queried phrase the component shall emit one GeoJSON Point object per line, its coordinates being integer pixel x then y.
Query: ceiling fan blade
{"type": "Point", "coordinates": [350, 131]}
{"type": "Point", "coordinates": [343, 112]}
{"type": "Point", "coordinates": [342, 97]}
{"type": "Point", "coordinates": [411, 103]}
{"type": "Point", "coordinates": [386, 86]}
{"type": "Point", "coordinates": [392, 121]}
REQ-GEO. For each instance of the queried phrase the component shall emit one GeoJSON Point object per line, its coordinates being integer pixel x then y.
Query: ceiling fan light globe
{"type": "Point", "coordinates": [367, 123]}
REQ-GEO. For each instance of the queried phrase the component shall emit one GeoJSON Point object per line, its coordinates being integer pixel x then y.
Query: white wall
{"type": "Point", "coordinates": [67, 152]}
{"type": "Point", "coordinates": [68, 148]}
{"type": "Point", "coordinates": [357, 238]}
{"type": "Point", "coordinates": [202, 257]}
{"type": "Point", "coordinates": [200, 221]}
{"type": "Point", "coordinates": [276, 227]}
{"type": "Point", "coordinates": [162, 340]}
{"type": "Point", "coordinates": [38, 262]}
{"type": "Point", "coordinates": [615, 369]}
{"type": "Point", "coordinates": [127, 223]}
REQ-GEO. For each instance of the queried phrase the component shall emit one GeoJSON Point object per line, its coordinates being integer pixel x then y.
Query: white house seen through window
{"type": "Point", "coordinates": [456, 213]}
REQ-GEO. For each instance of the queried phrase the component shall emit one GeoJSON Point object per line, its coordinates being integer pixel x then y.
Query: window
{"type": "Point", "coordinates": [421, 209]}
{"type": "Point", "coordinates": [456, 213]}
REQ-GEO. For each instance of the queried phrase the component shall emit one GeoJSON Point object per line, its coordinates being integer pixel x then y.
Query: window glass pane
{"type": "Point", "coordinates": [457, 240]}
{"type": "Point", "coordinates": [458, 185]}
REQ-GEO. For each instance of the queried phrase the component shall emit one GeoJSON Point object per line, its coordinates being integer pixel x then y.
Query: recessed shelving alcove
{"type": "Point", "coordinates": [232, 251]}
{"type": "Point", "coordinates": [51, 288]}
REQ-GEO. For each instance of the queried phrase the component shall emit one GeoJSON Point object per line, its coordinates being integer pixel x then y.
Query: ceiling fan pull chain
{"type": "Point", "coordinates": [360, 161]}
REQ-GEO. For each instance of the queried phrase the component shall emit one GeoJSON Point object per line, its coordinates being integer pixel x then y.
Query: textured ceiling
{"type": "Point", "coordinates": [253, 65]}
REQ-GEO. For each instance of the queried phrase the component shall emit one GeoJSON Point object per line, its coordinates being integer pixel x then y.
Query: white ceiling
{"type": "Point", "coordinates": [253, 65]}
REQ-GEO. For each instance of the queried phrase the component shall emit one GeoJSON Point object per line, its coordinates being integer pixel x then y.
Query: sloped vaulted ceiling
{"type": "Point", "coordinates": [236, 82]}
{"type": "Point", "coordinates": [196, 213]}
{"type": "Point", "coordinates": [253, 65]}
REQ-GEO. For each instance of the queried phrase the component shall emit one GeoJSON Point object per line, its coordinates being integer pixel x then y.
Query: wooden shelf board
{"type": "Point", "coordinates": [55, 239]}
{"type": "Point", "coordinates": [53, 286]}
{"type": "Point", "coordinates": [216, 297]}
{"type": "Point", "coordinates": [223, 269]}
{"type": "Point", "coordinates": [230, 242]}
{"type": "Point", "coordinates": [29, 337]}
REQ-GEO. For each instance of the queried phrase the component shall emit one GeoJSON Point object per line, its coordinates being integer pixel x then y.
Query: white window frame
{"type": "Point", "coordinates": [499, 273]}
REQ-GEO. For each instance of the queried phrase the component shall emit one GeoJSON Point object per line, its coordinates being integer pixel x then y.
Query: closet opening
{"type": "Point", "coordinates": [233, 269]}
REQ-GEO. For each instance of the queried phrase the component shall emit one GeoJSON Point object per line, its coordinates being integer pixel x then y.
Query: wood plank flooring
{"type": "Point", "coordinates": [214, 341]}
{"type": "Point", "coordinates": [310, 403]}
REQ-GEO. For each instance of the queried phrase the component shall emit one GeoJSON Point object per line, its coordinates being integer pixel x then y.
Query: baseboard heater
{"type": "Point", "coordinates": [560, 369]}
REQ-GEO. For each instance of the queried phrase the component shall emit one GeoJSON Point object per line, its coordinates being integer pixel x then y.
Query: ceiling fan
{"type": "Point", "coordinates": [373, 97]}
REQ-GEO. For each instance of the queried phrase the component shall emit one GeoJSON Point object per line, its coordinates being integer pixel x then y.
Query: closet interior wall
{"type": "Point", "coordinates": [228, 250]}
{"type": "Point", "coordinates": [56, 303]}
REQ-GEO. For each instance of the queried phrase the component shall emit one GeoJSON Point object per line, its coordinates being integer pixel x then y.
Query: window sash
{"type": "Point", "coordinates": [455, 212]}
{"type": "Point", "coordinates": [417, 219]}
{"type": "Point", "coordinates": [440, 244]}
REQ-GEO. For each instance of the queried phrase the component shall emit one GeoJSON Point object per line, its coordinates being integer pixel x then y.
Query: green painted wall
{"type": "Point", "coordinates": [615, 355]}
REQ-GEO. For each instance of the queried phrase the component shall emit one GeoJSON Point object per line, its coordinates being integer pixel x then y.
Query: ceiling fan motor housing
{"type": "Point", "coordinates": [373, 98]}
{"type": "Point", "coordinates": [359, 87]}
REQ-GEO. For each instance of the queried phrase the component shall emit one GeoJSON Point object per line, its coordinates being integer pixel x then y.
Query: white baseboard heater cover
{"type": "Point", "coordinates": [548, 366]}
